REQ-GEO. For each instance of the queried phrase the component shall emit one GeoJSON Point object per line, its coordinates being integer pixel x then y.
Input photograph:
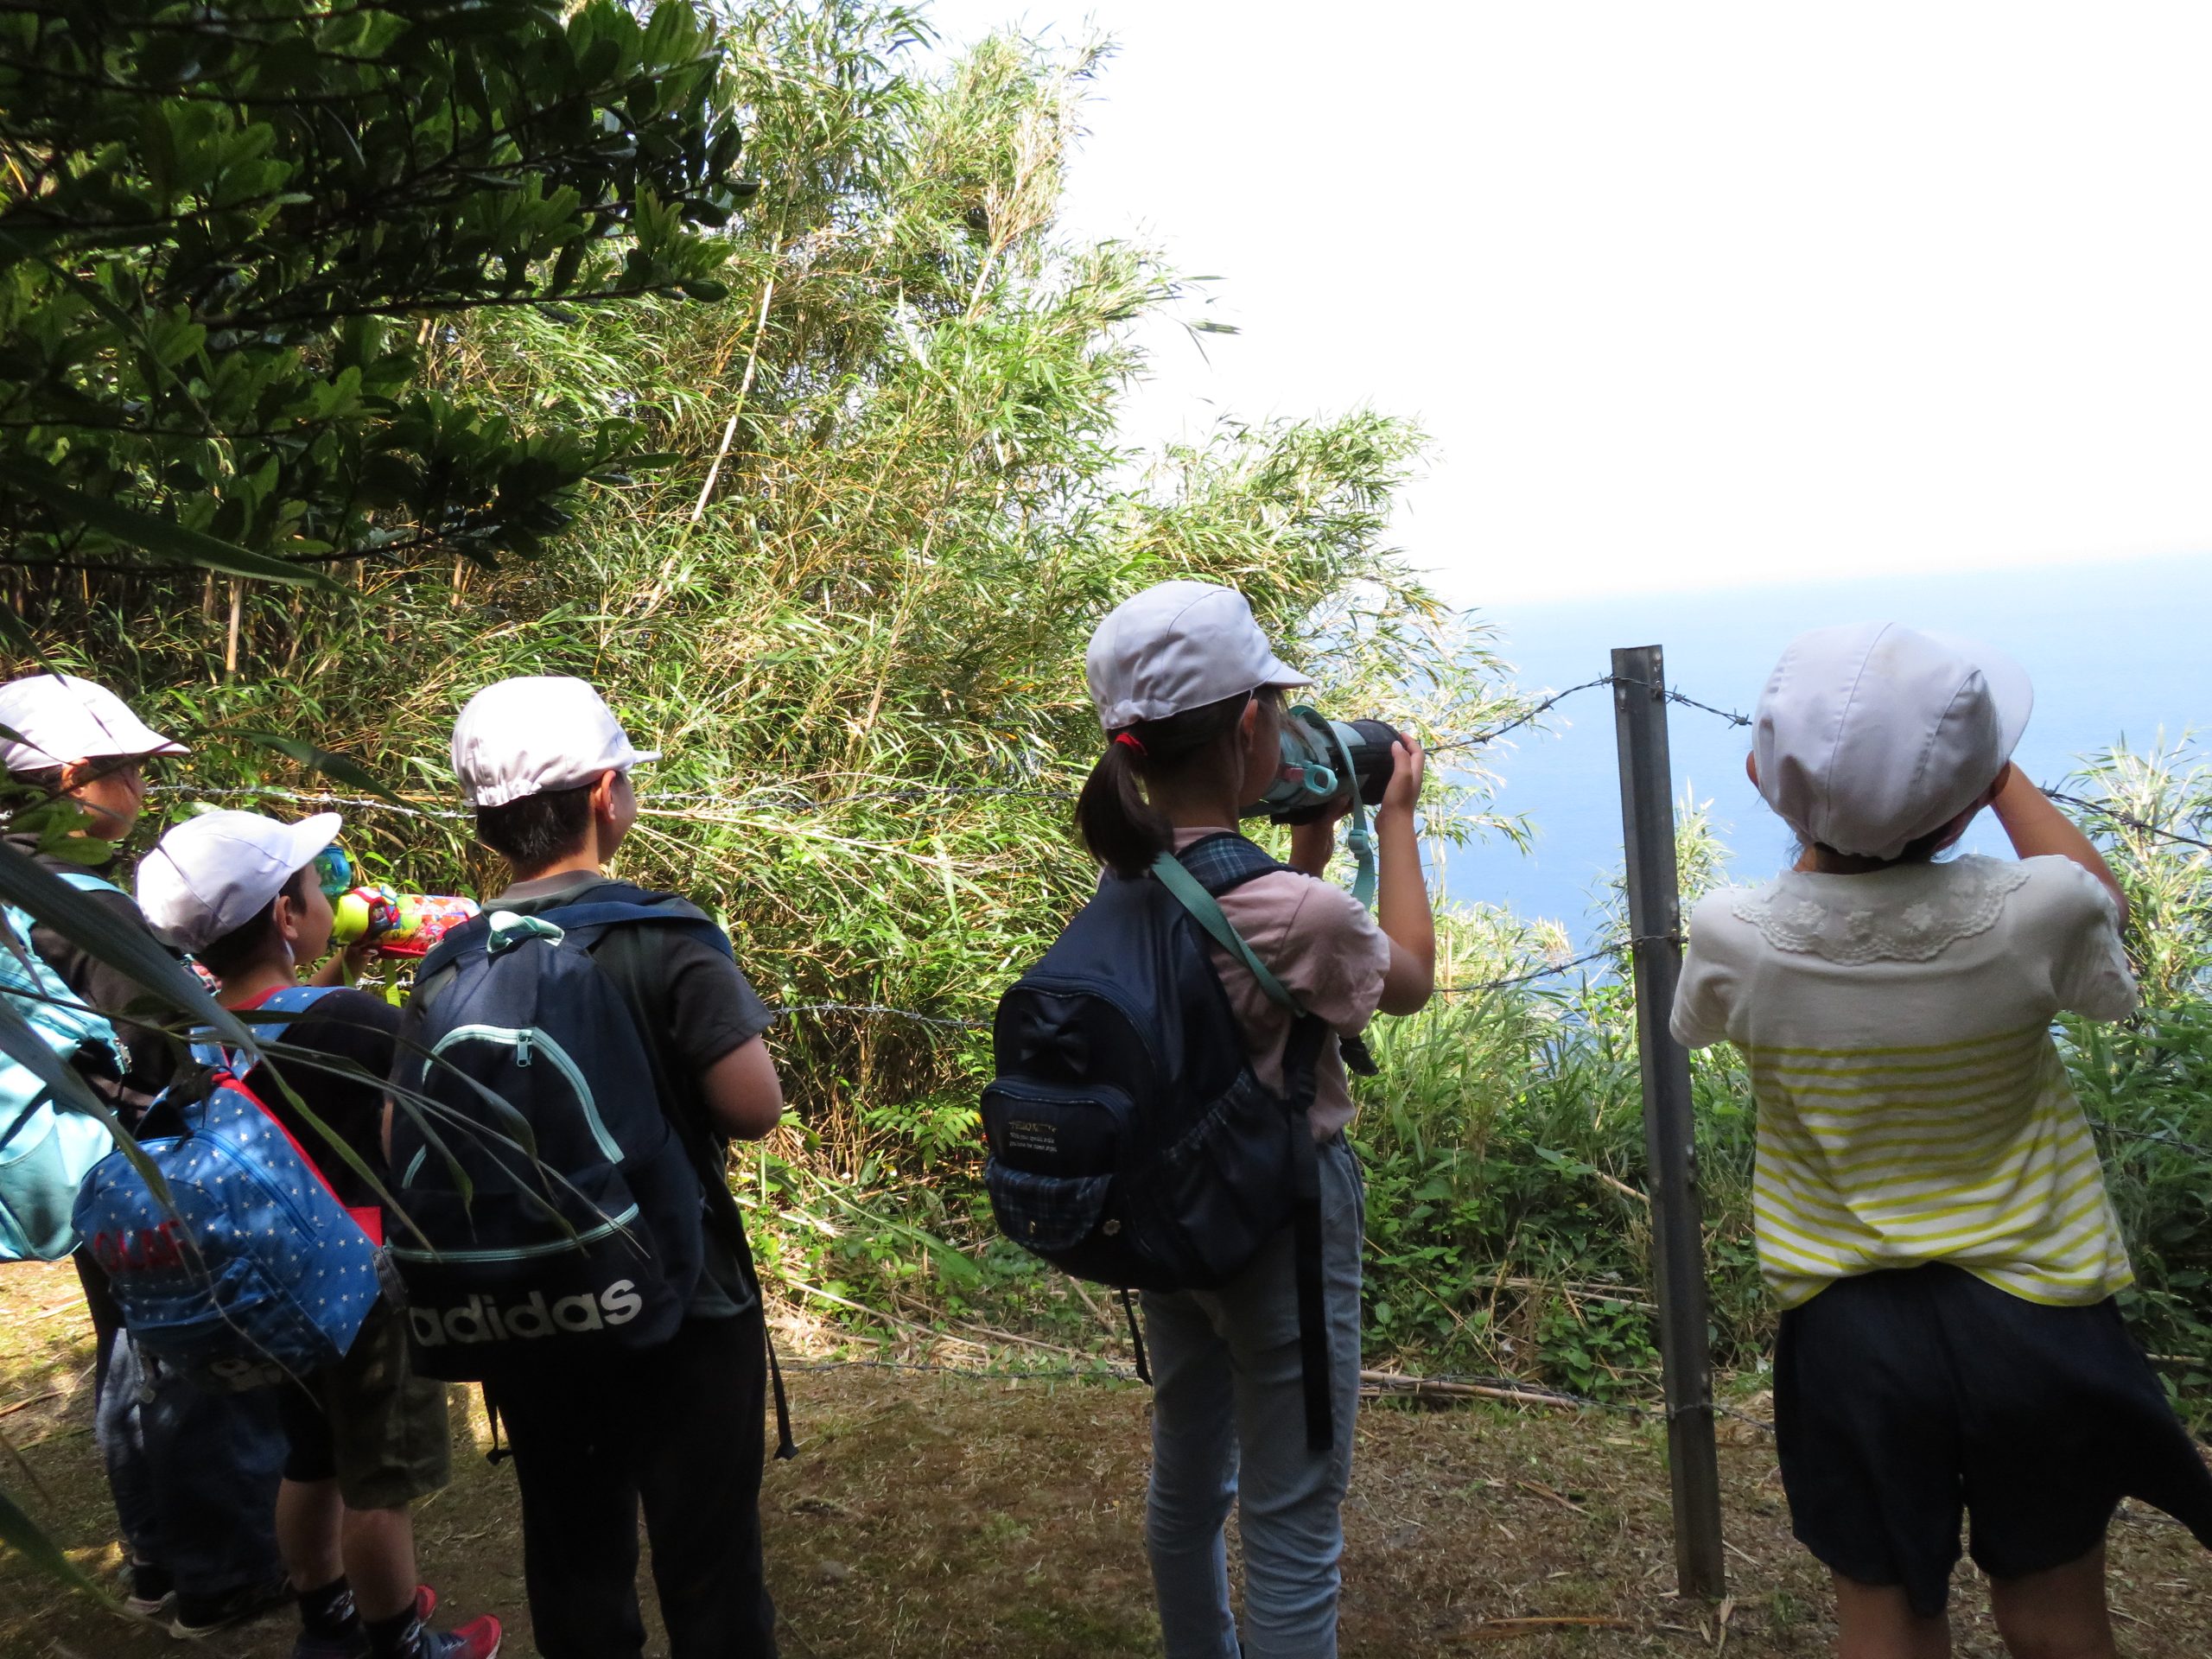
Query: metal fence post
{"type": "Point", "coordinates": [1677, 1220]}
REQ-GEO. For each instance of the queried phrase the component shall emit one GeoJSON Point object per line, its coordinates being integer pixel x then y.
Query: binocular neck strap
{"type": "Point", "coordinates": [1359, 838]}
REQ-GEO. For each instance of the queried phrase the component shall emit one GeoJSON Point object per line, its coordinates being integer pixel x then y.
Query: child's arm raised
{"type": "Point", "coordinates": [1402, 907]}
{"type": "Point", "coordinates": [2037, 828]}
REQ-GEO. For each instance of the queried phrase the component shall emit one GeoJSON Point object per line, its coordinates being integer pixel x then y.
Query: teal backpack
{"type": "Point", "coordinates": [46, 1148]}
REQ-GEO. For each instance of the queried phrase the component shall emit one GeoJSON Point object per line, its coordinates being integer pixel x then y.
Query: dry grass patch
{"type": "Point", "coordinates": [934, 1515]}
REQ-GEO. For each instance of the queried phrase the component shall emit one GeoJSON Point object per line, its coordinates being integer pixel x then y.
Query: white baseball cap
{"type": "Point", "coordinates": [1872, 735]}
{"type": "Point", "coordinates": [212, 875]}
{"type": "Point", "coordinates": [523, 736]}
{"type": "Point", "coordinates": [1177, 646]}
{"type": "Point", "coordinates": [58, 718]}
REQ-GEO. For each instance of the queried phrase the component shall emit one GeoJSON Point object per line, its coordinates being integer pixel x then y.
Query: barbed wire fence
{"type": "Point", "coordinates": [788, 801]}
{"type": "Point", "coordinates": [1612, 955]}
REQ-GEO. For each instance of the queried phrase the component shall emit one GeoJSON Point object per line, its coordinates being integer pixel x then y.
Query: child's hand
{"type": "Point", "coordinates": [1312, 845]}
{"type": "Point", "coordinates": [1408, 761]}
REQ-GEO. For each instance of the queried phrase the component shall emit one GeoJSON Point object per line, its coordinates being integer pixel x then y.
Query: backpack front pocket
{"type": "Point", "coordinates": [1047, 1130]}
{"type": "Point", "coordinates": [1048, 1214]}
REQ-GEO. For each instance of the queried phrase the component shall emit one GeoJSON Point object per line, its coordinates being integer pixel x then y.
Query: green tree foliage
{"type": "Point", "coordinates": [862, 597]}
{"type": "Point", "coordinates": [901, 511]}
{"type": "Point", "coordinates": [229, 238]}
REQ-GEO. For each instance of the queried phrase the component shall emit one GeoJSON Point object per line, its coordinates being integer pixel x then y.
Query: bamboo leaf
{"type": "Point", "coordinates": [339, 767]}
{"type": "Point", "coordinates": [28, 1540]}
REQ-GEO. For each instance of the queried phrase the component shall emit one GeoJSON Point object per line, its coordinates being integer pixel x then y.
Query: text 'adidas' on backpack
{"type": "Point", "coordinates": [1131, 1143]}
{"type": "Point", "coordinates": [46, 1148]}
{"type": "Point", "coordinates": [546, 1198]}
{"type": "Point", "coordinates": [253, 1272]}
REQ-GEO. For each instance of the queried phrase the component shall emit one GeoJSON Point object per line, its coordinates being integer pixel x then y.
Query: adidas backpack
{"type": "Point", "coordinates": [546, 1198]}
{"type": "Point", "coordinates": [252, 1271]}
{"type": "Point", "coordinates": [1131, 1143]}
{"type": "Point", "coordinates": [46, 1148]}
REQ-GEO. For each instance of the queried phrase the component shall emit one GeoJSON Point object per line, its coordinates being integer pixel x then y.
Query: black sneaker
{"type": "Point", "coordinates": [199, 1616]}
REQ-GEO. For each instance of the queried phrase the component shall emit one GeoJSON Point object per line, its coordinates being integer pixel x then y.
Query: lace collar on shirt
{"type": "Point", "coordinates": [1907, 914]}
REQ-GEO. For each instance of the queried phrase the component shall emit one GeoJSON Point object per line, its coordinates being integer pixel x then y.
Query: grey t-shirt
{"type": "Point", "coordinates": [700, 1008]}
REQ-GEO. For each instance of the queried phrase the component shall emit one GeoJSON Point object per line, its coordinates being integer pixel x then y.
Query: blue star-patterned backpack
{"type": "Point", "coordinates": [253, 1271]}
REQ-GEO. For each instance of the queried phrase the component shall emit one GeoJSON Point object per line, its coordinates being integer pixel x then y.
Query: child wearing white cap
{"type": "Point", "coordinates": [193, 1473]}
{"type": "Point", "coordinates": [1930, 1211]}
{"type": "Point", "coordinates": [366, 1437]}
{"type": "Point", "coordinates": [1188, 692]}
{"type": "Point", "coordinates": [677, 1427]}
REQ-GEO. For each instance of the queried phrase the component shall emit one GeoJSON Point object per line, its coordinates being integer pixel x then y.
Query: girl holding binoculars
{"type": "Point", "coordinates": [1189, 693]}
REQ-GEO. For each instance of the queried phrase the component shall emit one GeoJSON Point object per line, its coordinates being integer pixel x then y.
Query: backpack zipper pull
{"type": "Point", "coordinates": [522, 1047]}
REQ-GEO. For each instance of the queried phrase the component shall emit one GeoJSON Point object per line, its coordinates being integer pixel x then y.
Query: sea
{"type": "Point", "coordinates": [2120, 653]}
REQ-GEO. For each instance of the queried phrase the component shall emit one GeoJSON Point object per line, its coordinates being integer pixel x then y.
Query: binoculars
{"type": "Point", "coordinates": [1323, 757]}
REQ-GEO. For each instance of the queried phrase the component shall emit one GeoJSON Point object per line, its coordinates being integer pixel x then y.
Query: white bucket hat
{"type": "Point", "coordinates": [212, 875]}
{"type": "Point", "coordinates": [1175, 647]}
{"type": "Point", "coordinates": [58, 718]}
{"type": "Point", "coordinates": [539, 732]}
{"type": "Point", "coordinates": [1872, 735]}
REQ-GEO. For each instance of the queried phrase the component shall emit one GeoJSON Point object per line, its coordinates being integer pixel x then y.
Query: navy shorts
{"type": "Point", "coordinates": [1906, 1399]}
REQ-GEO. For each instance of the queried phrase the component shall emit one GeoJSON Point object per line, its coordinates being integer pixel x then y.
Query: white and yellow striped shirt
{"type": "Point", "coordinates": [1912, 1106]}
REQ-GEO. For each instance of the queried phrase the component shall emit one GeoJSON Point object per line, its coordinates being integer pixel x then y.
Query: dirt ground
{"type": "Point", "coordinates": [930, 1514]}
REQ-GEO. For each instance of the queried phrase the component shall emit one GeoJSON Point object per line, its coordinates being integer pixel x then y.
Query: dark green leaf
{"type": "Point", "coordinates": [156, 536]}
{"type": "Point", "coordinates": [90, 925]}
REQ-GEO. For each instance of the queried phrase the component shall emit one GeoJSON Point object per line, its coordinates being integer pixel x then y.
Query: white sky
{"type": "Point", "coordinates": [1693, 294]}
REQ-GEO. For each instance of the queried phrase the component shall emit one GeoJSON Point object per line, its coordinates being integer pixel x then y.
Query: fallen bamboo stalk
{"type": "Point", "coordinates": [1505, 1630]}
{"type": "Point", "coordinates": [25, 1405]}
{"type": "Point", "coordinates": [1422, 1388]}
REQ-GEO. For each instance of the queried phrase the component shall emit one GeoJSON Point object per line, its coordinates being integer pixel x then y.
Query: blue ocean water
{"type": "Point", "coordinates": [2120, 651]}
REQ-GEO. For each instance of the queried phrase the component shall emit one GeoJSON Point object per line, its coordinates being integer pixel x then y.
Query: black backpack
{"type": "Point", "coordinates": [1131, 1144]}
{"type": "Point", "coordinates": [550, 1201]}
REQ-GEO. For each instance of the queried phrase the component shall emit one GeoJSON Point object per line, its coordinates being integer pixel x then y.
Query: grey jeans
{"type": "Point", "coordinates": [1229, 1427]}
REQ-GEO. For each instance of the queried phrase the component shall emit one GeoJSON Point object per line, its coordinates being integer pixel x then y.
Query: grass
{"type": "Point", "coordinates": [938, 1514]}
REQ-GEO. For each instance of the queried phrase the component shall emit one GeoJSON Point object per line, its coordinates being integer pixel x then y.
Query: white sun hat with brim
{"type": "Point", "coordinates": [1871, 735]}
{"type": "Point", "coordinates": [213, 873]}
{"type": "Point", "coordinates": [1177, 646]}
{"type": "Point", "coordinates": [56, 719]}
{"type": "Point", "coordinates": [537, 733]}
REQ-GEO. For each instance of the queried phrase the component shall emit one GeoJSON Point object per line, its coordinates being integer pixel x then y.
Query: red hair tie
{"type": "Point", "coordinates": [1131, 739]}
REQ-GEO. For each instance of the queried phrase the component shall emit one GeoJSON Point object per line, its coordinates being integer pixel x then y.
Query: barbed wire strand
{"type": "Point", "coordinates": [1515, 724]}
{"type": "Point", "coordinates": [420, 808]}
{"type": "Point", "coordinates": [1526, 1392]}
{"type": "Point", "coordinates": [2124, 818]}
{"type": "Point", "coordinates": [2157, 1137]}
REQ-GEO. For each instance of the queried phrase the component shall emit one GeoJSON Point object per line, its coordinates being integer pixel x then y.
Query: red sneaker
{"type": "Point", "coordinates": [478, 1639]}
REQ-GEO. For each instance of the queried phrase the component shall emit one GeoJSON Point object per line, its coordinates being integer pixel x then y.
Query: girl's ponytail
{"type": "Point", "coordinates": [1124, 831]}
{"type": "Point", "coordinates": [1117, 820]}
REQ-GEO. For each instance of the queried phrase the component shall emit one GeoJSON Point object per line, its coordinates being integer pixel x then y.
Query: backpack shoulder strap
{"type": "Point", "coordinates": [1216, 865]}
{"type": "Point", "coordinates": [85, 881]}
{"type": "Point", "coordinates": [615, 912]}
{"type": "Point", "coordinates": [293, 1001]}
{"type": "Point", "coordinates": [297, 999]}
{"type": "Point", "coordinates": [1194, 896]}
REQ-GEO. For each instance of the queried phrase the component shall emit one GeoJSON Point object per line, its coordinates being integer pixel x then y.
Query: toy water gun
{"type": "Point", "coordinates": [404, 925]}
{"type": "Point", "coordinates": [397, 924]}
